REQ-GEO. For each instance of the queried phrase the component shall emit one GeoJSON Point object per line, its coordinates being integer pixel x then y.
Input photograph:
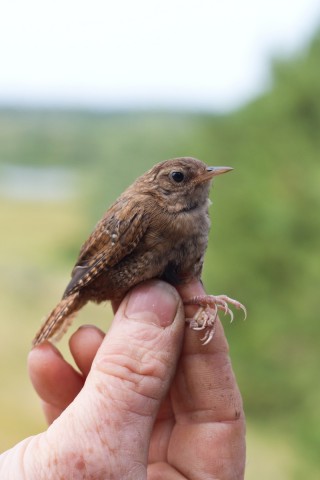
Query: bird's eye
{"type": "Point", "coordinates": [177, 177]}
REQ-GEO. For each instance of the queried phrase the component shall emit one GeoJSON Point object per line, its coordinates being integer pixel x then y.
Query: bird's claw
{"type": "Point", "coordinates": [206, 316]}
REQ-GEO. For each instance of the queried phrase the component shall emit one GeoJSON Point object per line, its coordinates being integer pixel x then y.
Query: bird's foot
{"type": "Point", "coordinates": [206, 316]}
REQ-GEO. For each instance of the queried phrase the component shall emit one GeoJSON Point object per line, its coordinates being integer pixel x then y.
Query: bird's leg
{"type": "Point", "coordinates": [206, 316]}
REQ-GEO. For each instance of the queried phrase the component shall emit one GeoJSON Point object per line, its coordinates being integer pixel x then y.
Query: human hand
{"type": "Point", "coordinates": [144, 405]}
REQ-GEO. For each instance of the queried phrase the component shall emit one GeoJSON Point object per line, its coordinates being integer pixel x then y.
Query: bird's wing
{"type": "Point", "coordinates": [115, 237]}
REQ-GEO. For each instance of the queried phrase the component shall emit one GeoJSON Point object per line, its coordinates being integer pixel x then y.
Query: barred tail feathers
{"type": "Point", "coordinates": [58, 321]}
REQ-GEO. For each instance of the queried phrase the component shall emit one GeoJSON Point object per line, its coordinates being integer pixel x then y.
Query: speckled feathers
{"type": "Point", "coordinates": [158, 228]}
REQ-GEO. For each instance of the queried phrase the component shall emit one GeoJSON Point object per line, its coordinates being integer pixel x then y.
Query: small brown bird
{"type": "Point", "coordinates": [158, 228]}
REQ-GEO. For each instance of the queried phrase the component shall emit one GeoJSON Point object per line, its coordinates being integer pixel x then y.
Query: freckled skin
{"type": "Point", "coordinates": [158, 228]}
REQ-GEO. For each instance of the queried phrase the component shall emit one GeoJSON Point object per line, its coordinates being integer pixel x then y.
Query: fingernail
{"type": "Point", "coordinates": [155, 302]}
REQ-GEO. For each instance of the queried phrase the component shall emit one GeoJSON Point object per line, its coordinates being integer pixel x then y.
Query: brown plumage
{"type": "Point", "coordinates": [158, 228]}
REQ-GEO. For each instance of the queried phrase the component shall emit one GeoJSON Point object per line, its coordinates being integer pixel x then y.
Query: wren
{"type": "Point", "coordinates": [158, 228]}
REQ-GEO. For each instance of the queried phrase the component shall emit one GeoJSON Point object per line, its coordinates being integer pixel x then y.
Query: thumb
{"type": "Point", "coordinates": [134, 367]}
{"type": "Point", "coordinates": [105, 432]}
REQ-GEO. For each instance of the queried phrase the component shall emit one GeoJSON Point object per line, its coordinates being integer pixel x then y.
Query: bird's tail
{"type": "Point", "coordinates": [59, 319]}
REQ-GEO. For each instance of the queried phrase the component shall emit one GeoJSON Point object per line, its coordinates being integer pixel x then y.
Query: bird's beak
{"type": "Point", "coordinates": [214, 171]}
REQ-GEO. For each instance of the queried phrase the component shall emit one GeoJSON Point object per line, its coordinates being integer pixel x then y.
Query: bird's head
{"type": "Point", "coordinates": [180, 184]}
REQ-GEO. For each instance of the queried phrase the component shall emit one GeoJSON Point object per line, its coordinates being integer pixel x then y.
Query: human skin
{"type": "Point", "coordinates": [148, 402]}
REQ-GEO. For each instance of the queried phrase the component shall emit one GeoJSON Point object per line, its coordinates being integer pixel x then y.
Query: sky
{"type": "Point", "coordinates": [198, 54]}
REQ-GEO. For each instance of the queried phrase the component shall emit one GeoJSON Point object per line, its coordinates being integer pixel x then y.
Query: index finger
{"type": "Point", "coordinates": [206, 387]}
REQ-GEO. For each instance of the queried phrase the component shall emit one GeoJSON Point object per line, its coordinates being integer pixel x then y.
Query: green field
{"type": "Point", "coordinates": [263, 249]}
{"type": "Point", "coordinates": [33, 276]}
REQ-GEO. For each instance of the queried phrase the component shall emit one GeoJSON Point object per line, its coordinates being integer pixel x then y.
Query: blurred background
{"type": "Point", "coordinates": [94, 93]}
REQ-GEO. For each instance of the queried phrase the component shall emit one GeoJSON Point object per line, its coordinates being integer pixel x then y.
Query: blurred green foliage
{"type": "Point", "coordinates": [264, 244]}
